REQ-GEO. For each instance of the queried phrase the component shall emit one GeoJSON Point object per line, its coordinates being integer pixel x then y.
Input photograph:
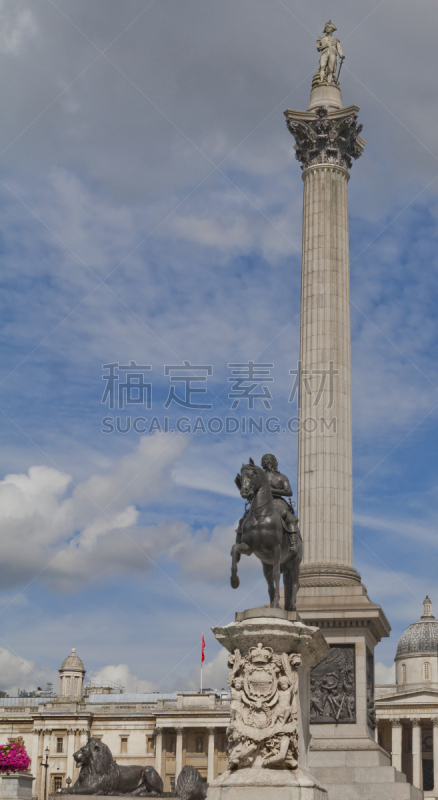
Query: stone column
{"type": "Point", "coordinates": [46, 741]}
{"type": "Point", "coordinates": [179, 752]}
{"type": "Point", "coordinates": [46, 744]}
{"type": "Point", "coordinates": [396, 746]}
{"type": "Point", "coordinates": [158, 749]}
{"type": "Point", "coordinates": [210, 758]}
{"type": "Point", "coordinates": [416, 753]}
{"type": "Point", "coordinates": [325, 436]}
{"type": "Point", "coordinates": [325, 459]}
{"type": "Point", "coordinates": [34, 762]}
{"type": "Point", "coordinates": [70, 750]}
{"type": "Point", "coordinates": [435, 754]}
{"type": "Point", "coordinates": [84, 734]}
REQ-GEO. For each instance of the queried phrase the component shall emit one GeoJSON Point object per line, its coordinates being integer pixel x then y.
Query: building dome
{"type": "Point", "coordinates": [421, 638]}
{"type": "Point", "coordinates": [73, 662]}
{"type": "Point", "coordinates": [71, 678]}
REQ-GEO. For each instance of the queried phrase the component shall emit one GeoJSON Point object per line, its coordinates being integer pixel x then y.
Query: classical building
{"type": "Point", "coordinates": [164, 730]}
{"type": "Point", "coordinates": [407, 711]}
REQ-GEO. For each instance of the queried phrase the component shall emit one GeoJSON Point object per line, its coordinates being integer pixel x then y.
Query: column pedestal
{"type": "Point", "coordinates": [271, 653]}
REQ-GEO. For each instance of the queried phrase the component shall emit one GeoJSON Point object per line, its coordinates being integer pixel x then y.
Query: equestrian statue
{"type": "Point", "coordinates": [269, 529]}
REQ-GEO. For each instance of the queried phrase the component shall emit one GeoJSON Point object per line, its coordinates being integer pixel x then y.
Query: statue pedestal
{"type": "Point", "coordinates": [271, 654]}
{"type": "Point", "coordinates": [266, 784]}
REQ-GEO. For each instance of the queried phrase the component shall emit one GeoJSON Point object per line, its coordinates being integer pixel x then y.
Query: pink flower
{"type": "Point", "coordinates": [13, 758]}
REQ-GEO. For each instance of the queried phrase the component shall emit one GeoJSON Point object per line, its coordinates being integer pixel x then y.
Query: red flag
{"type": "Point", "coordinates": [203, 649]}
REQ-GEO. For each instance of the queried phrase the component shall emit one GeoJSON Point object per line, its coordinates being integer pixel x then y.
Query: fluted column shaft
{"type": "Point", "coordinates": [396, 744]}
{"type": "Point", "coordinates": [416, 753]}
{"type": "Point", "coordinates": [179, 752]}
{"type": "Point", "coordinates": [70, 750]}
{"type": "Point", "coordinates": [325, 438]}
{"type": "Point", "coordinates": [158, 749]}
{"type": "Point", "coordinates": [210, 753]}
{"type": "Point", "coordinates": [435, 754]}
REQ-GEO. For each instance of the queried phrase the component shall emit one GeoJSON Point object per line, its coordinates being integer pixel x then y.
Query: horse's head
{"type": "Point", "coordinates": [252, 478]}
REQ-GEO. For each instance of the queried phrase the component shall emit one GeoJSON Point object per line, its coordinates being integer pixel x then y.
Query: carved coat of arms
{"type": "Point", "coordinates": [264, 712]}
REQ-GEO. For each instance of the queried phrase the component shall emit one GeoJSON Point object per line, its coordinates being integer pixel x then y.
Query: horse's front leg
{"type": "Point", "coordinates": [276, 575]}
{"type": "Point", "coordinates": [236, 550]}
{"type": "Point", "coordinates": [267, 572]}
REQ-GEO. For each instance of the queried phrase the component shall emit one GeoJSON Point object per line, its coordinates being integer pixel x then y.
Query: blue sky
{"type": "Point", "coordinates": [150, 211]}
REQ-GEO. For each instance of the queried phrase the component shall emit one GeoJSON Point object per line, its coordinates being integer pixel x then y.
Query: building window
{"type": "Point", "coordinates": [76, 687]}
{"type": "Point", "coordinates": [172, 748]}
{"type": "Point", "coordinates": [67, 685]}
{"type": "Point", "coordinates": [403, 673]}
{"type": "Point", "coordinates": [199, 744]}
{"type": "Point", "coordinates": [123, 744]}
{"type": "Point", "coordinates": [59, 744]}
{"type": "Point", "coordinates": [57, 782]}
{"type": "Point", "coordinates": [171, 783]}
{"type": "Point", "coordinates": [151, 744]}
{"type": "Point", "coordinates": [427, 671]}
{"type": "Point", "coordinates": [224, 743]}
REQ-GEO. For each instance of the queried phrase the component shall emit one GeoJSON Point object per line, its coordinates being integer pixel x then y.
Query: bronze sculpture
{"type": "Point", "coordinates": [100, 774]}
{"type": "Point", "coordinates": [269, 529]}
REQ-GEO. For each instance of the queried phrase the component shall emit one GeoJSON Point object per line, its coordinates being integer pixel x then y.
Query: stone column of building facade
{"type": "Point", "coordinates": [435, 752]}
{"type": "Point", "coordinates": [396, 744]}
{"type": "Point", "coordinates": [179, 751]}
{"type": "Point", "coordinates": [36, 738]}
{"type": "Point", "coordinates": [210, 755]}
{"type": "Point", "coordinates": [71, 736]}
{"type": "Point", "coordinates": [416, 752]}
{"type": "Point", "coordinates": [83, 736]}
{"type": "Point", "coordinates": [158, 749]}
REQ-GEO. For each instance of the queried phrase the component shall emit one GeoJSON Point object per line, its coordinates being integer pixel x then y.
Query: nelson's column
{"type": "Point", "coordinates": [331, 594]}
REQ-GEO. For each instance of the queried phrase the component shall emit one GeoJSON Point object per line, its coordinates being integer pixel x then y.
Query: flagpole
{"type": "Point", "coordinates": [202, 659]}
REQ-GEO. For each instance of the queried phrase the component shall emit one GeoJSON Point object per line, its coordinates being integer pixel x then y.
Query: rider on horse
{"type": "Point", "coordinates": [280, 488]}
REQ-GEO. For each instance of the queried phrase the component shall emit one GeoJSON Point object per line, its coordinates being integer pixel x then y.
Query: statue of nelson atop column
{"type": "Point", "coordinates": [330, 49]}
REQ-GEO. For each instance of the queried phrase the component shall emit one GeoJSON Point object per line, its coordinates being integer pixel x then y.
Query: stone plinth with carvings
{"type": "Point", "coordinates": [271, 654]}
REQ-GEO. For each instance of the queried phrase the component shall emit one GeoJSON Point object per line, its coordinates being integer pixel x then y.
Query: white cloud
{"type": "Point", "coordinates": [95, 530]}
{"type": "Point", "coordinates": [121, 675]}
{"type": "Point", "coordinates": [384, 674]}
{"type": "Point", "coordinates": [17, 672]}
{"type": "Point", "coordinates": [16, 27]}
{"type": "Point", "coordinates": [214, 673]}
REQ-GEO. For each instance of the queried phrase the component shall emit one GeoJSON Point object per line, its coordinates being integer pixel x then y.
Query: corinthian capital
{"type": "Point", "coordinates": [326, 138]}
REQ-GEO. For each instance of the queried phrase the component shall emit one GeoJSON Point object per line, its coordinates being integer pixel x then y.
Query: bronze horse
{"type": "Point", "coordinates": [263, 534]}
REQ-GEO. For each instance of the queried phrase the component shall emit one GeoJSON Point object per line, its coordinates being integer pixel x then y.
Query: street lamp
{"type": "Point", "coordinates": [45, 764]}
{"type": "Point", "coordinates": [68, 782]}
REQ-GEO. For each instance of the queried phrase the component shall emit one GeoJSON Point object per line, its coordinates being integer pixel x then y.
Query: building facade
{"type": "Point", "coordinates": [407, 711]}
{"type": "Point", "coordinates": [166, 731]}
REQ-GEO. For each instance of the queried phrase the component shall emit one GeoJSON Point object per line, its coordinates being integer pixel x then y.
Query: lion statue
{"type": "Point", "coordinates": [101, 775]}
{"type": "Point", "coordinates": [190, 785]}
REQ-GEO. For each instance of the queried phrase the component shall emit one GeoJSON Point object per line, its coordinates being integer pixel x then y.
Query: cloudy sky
{"type": "Point", "coordinates": [150, 212]}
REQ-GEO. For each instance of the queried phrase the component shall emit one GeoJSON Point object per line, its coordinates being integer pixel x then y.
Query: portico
{"type": "Point", "coordinates": [190, 739]}
{"type": "Point", "coordinates": [407, 711]}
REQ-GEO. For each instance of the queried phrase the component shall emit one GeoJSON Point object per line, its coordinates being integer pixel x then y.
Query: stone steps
{"type": "Point", "coordinates": [366, 783]}
{"type": "Point", "coordinates": [373, 791]}
{"type": "Point", "coordinates": [358, 775]}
